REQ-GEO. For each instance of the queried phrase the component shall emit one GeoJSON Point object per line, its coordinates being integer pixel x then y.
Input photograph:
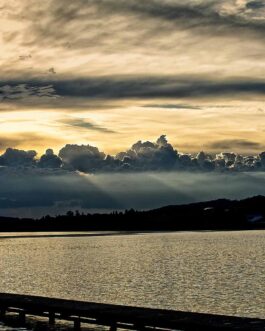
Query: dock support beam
{"type": "Point", "coordinates": [113, 327]}
{"type": "Point", "coordinates": [51, 318]}
{"type": "Point", "coordinates": [22, 317]}
{"type": "Point", "coordinates": [77, 324]}
{"type": "Point", "coordinates": [2, 313]}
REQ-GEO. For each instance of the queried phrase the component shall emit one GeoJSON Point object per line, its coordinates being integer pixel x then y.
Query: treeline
{"type": "Point", "coordinates": [211, 215]}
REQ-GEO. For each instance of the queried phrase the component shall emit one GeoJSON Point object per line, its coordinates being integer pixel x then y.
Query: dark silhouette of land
{"type": "Point", "coordinates": [212, 215]}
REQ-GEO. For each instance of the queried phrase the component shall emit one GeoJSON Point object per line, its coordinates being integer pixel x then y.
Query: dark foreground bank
{"type": "Point", "coordinates": [117, 316]}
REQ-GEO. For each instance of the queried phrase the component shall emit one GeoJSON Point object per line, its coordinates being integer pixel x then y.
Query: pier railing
{"type": "Point", "coordinates": [117, 316]}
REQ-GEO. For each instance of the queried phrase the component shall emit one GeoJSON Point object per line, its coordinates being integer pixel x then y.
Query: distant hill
{"type": "Point", "coordinates": [219, 214]}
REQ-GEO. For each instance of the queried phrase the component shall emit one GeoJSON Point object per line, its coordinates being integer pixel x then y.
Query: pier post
{"type": "Point", "coordinates": [77, 324]}
{"type": "Point", "coordinates": [2, 313]}
{"type": "Point", "coordinates": [22, 317]}
{"type": "Point", "coordinates": [51, 318]}
{"type": "Point", "coordinates": [113, 327]}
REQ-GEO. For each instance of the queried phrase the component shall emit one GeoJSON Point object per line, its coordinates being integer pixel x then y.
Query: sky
{"type": "Point", "coordinates": [109, 73]}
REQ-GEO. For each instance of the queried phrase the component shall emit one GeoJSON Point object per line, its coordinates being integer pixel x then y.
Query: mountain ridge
{"type": "Point", "coordinates": [207, 215]}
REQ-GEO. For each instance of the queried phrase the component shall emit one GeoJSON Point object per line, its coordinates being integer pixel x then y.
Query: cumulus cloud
{"type": "Point", "coordinates": [146, 156]}
{"type": "Point", "coordinates": [82, 158]}
{"type": "Point", "coordinates": [143, 156]}
{"type": "Point", "coordinates": [14, 157]}
{"type": "Point", "coordinates": [262, 159]}
{"type": "Point", "coordinates": [150, 156]}
{"type": "Point", "coordinates": [50, 160]}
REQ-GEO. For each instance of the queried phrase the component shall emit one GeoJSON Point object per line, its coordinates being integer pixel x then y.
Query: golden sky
{"type": "Point", "coordinates": [111, 72]}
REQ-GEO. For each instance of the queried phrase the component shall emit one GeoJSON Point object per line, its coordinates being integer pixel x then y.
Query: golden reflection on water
{"type": "Point", "coordinates": [215, 272]}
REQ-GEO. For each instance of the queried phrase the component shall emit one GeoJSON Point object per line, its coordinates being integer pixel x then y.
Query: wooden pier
{"type": "Point", "coordinates": [124, 317]}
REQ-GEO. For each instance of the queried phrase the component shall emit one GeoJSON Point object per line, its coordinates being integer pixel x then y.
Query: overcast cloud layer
{"type": "Point", "coordinates": [34, 195]}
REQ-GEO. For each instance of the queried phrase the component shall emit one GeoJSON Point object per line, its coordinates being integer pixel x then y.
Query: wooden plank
{"type": "Point", "coordinates": [106, 314]}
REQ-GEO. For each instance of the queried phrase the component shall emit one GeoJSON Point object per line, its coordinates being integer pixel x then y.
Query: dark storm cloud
{"type": "Point", "coordinates": [80, 123]}
{"type": "Point", "coordinates": [143, 156]}
{"type": "Point", "coordinates": [132, 87]}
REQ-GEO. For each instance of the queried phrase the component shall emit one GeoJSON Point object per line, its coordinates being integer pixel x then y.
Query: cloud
{"type": "Point", "coordinates": [8, 142]}
{"type": "Point", "coordinates": [255, 4]}
{"type": "Point", "coordinates": [201, 17]}
{"type": "Point", "coordinates": [81, 123]}
{"type": "Point", "coordinates": [25, 57]}
{"type": "Point", "coordinates": [141, 157]}
{"type": "Point", "coordinates": [52, 71]}
{"type": "Point", "coordinates": [157, 87]}
{"type": "Point", "coordinates": [23, 91]}
{"type": "Point", "coordinates": [171, 106]}
{"type": "Point", "coordinates": [108, 36]}
{"type": "Point", "coordinates": [148, 175]}
{"type": "Point", "coordinates": [15, 157]}
{"type": "Point", "coordinates": [158, 156]}
{"type": "Point", "coordinates": [230, 144]}
{"type": "Point", "coordinates": [50, 160]}
{"type": "Point", "coordinates": [134, 49]}
{"type": "Point", "coordinates": [82, 158]}
{"type": "Point", "coordinates": [38, 188]}
{"type": "Point", "coordinates": [133, 87]}
{"type": "Point", "coordinates": [145, 156]}
{"type": "Point", "coordinates": [43, 191]}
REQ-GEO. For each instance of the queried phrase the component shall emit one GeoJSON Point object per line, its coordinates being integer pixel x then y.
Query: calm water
{"type": "Point", "coordinates": [215, 272]}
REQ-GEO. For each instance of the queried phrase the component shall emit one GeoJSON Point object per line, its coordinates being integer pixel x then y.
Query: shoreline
{"type": "Point", "coordinates": [81, 234]}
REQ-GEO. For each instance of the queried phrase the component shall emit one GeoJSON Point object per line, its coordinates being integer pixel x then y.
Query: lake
{"type": "Point", "coordinates": [214, 272]}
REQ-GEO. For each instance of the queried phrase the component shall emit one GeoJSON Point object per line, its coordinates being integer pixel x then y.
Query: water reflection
{"type": "Point", "coordinates": [215, 272]}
